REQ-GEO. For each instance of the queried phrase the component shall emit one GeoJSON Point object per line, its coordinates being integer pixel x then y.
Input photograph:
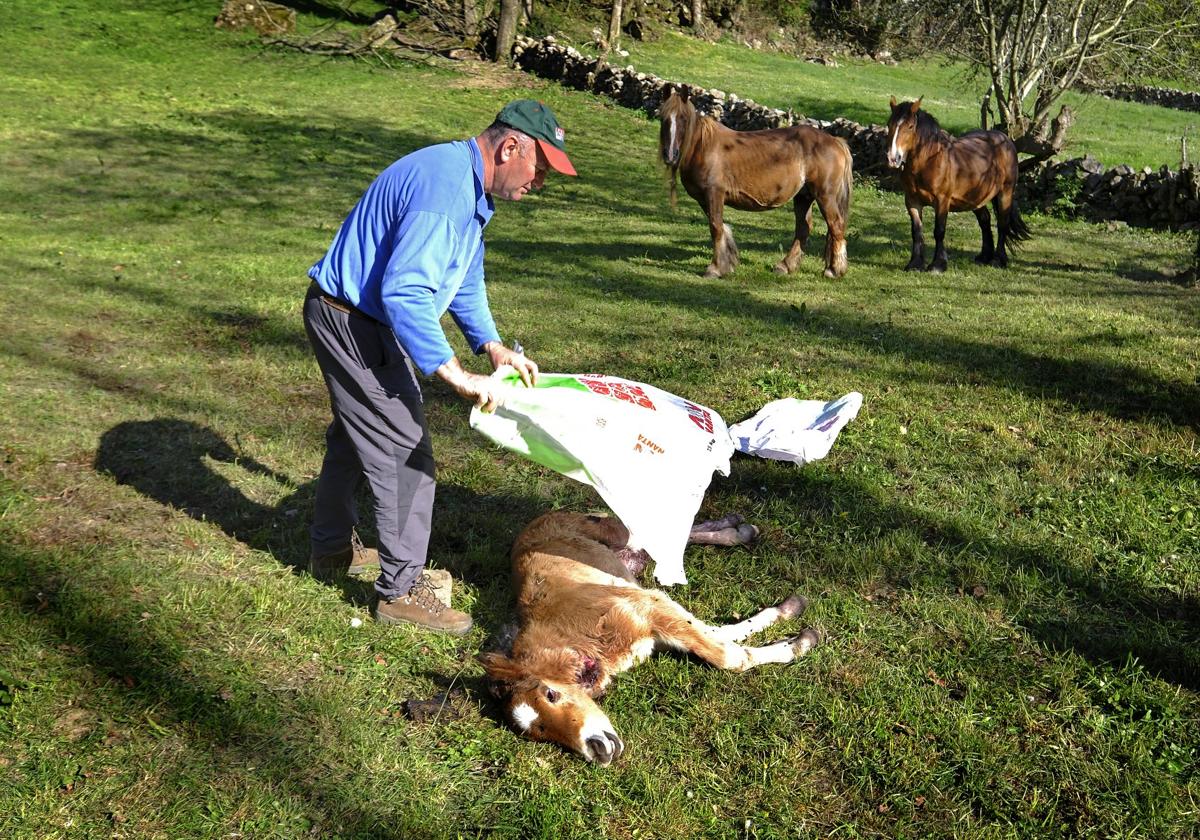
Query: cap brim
{"type": "Point", "coordinates": [556, 157]}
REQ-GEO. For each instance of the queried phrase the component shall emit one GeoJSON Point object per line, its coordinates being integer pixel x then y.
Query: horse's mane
{"type": "Point", "coordinates": [695, 127]}
{"type": "Point", "coordinates": [929, 131]}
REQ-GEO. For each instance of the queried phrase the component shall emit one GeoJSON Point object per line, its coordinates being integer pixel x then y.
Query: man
{"type": "Point", "coordinates": [411, 249]}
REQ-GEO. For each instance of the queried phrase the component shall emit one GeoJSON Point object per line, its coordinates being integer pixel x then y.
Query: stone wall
{"type": "Point", "coordinates": [1181, 100]}
{"type": "Point", "coordinates": [1080, 187]}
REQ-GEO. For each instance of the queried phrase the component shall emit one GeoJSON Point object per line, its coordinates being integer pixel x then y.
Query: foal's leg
{"type": "Point", "coordinates": [802, 206]}
{"type": "Point", "coordinates": [732, 530]}
{"type": "Point", "coordinates": [1003, 206]}
{"type": "Point", "coordinates": [939, 240]}
{"type": "Point", "coordinates": [724, 250]}
{"type": "Point", "coordinates": [984, 257]}
{"type": "Point", "coordinates": [917, 261]}
{"type": "Point", "coordinates": [675, 627]}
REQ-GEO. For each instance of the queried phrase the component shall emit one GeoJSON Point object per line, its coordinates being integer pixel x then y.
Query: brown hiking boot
{"type": "Point", "coordinates": [354, 559]}
{"type": "Point", "coordinates": [421, 606]}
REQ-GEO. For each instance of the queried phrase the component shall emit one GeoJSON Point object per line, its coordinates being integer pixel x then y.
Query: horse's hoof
{"type": "Point", "coordinates": [781, 268]}
{"type": "Point", "coordinates": [936, 267]}
{"type": "Point", "coordinates": [1000, 262]}
{"type": "Point", "coordinates": [914, 265]}
{"type": "Point", "coordinates": [712, 271]}
{"type": "Point", "coordinates": [831, 274]}
{"type": "Point", "coordinates": [983, 259]}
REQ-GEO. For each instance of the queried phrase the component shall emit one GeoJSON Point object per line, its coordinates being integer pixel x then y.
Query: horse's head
{"type": "Point", "coordinates": [675, 113]}
{"type": "Point", "coordinates": [902, 131]}
{"type": "Point", "coordinates": [547, 698]}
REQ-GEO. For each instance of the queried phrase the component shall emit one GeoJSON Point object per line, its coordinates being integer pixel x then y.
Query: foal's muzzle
{"type": "Point", "coordinates": [604, 749]}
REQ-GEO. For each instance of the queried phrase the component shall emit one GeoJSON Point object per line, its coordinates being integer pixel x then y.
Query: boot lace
{"type": "Point", "coordinates": [424, 595]}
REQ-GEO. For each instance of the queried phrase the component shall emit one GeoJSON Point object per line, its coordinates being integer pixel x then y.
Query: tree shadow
{"type": "Point", "coordinates": [146, 668]}
{"type": "Point", "coordinates": [1108, 615]}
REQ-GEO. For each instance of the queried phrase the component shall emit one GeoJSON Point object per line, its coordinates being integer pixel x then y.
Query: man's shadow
{"type": "Point", "coordinates": [180, 464]}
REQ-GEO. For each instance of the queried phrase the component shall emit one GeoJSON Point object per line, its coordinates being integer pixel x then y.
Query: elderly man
{"type": "Point", "coordinates": [411, 249]}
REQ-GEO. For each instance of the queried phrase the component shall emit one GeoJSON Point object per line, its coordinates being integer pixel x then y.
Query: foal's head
{"type": "Point", "coordinates": [902, 131]}
{"type": "Point", "coordinates": [546, 698]}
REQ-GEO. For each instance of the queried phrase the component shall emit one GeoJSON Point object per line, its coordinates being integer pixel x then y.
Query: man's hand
{"type": "Point", "coordinates": [525, 367]}
{"type": "Point", "coordinates": [481, 390]}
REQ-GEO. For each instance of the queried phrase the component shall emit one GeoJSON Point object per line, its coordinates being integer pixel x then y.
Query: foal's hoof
{"type": "Point", "coordinates": [782, 268]}
{"type": "Point", "coordinates": [937, 267]}
{"type": "Point", "coordinates": [1000, 262]}
{"type": "Point", "coordinates": [914, 265]}
{"type": "Point", "coordinates": [793, 606]}
{"type": "Point", "coordinates": [983, 259]}
{"type": "Point", "coordinates": [805, 642]}
{"type": "Point", "coordinates": [712, 271]}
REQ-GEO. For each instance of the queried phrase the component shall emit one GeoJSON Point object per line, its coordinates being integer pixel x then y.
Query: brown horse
{"type": "Point", "coordinates": [757, 170]}
{"type": "Point", "coordinates": [584, 619]}
{"type": "Point", "coordinates": [951, 174]}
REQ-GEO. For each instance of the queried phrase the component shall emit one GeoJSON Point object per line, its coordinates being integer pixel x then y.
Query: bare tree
{"type": "Point", "coordinates": [506, 28]}
{"type": "Point", "coordinates": [614, 24]}
{"type": "Point", "coordinates": [1033, 51]}
{"type": "Point", "coordinates": [698, 15]}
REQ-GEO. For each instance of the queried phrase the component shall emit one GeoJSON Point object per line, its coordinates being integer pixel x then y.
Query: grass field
{"type": "Point", "coordinates": [1002, 549]}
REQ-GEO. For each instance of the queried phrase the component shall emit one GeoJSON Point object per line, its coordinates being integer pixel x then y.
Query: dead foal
{"type": "Point", "coordinates": [584, 619]}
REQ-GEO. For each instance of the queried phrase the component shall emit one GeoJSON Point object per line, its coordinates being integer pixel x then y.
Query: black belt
{"type": "Point", "coordinates": [339, 304]}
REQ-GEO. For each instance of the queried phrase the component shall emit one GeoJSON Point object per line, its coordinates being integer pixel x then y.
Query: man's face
{"type": "Point", "coordinates": [520, 169]}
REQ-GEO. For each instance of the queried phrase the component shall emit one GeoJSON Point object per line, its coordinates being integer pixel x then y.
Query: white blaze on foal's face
{"type": "Point", "coordinates": [568, 716]}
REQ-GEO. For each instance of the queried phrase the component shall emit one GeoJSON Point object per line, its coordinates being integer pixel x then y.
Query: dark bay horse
{"type": "Point", "coordinates": [951, 174]}
{"type": "Point", "coordinates": [757, 170]}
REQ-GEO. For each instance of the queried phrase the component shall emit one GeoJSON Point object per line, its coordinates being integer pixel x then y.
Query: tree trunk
{"type": "Point", "coordinates": [470, 19]}
{"type": "Point", "coordinates": [506, 29]}
{"type": "Point", "coordinates": [698, 15]}
{"type": "Point", "coordinates": [614, 24]}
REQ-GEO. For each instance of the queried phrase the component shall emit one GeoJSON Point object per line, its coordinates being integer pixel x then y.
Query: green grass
{"type": "Point", "coordinates": [1002, 548]}
{"type": "Point", "coordinates": [1114, 132]}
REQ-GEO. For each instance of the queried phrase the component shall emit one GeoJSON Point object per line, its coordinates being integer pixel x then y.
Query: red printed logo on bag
{"type": "Point", "coordinates": [623, 391]}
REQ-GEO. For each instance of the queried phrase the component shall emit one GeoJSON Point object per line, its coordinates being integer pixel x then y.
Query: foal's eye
{"type": "Point", "coordinates": [551, 695]}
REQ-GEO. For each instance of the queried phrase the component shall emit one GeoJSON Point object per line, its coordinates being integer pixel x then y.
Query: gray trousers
{"type": "Point", "coordinates": [378, 434]}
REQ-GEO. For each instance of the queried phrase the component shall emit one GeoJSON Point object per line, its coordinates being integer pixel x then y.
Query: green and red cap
{"type": "Point", "coordinates": [536, 120]}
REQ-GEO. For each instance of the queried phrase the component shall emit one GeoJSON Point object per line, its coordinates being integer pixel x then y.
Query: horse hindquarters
{"type": "Point", "coordinates": [834, 201]}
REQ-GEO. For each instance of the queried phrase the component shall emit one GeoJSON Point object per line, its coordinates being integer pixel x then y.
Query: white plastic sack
{"type": "Point", "coordinates": [649, 454]}
{"type": "Point", "coordinates": [795, 430]}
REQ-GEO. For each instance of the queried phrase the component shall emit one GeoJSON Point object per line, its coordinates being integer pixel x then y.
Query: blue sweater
{"type": "Point", "coordinates": [412, 248]}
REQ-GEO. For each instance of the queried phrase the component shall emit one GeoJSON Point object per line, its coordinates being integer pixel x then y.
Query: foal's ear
{"type": "Point", "coordinates": [892, 102]}
{"type": "Point", "coordinates": [502, 672]}
{"type": "Point", "coordinates": [916, 106]}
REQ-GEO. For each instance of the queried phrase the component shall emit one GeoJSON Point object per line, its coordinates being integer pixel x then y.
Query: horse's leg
{"type": "Point", "coordinates": [677, 628]}
{"type": "Point", "coordinates": [724, 250]}
{"type": "Point", "coordinates": [939, 240]}
{"type": "Point", "coordinates": [917, 261]}
{"type": "Point", "coordinates": [985, 226]}
{"type": "Point", "coordinates": [835, 235]}
{"type": "Point", "coordinates": [802, 206]}
{"type": "Point", "coordinates": [1003, 206]}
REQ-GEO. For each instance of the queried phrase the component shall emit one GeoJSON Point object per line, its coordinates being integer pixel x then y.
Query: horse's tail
{"type": "Point", "coordinates": [843, 194]}
{"type": "Point", "coordinates": [1018, 231]}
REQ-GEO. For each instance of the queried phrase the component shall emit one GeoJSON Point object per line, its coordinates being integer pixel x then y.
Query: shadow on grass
{"type": "Point", "coordinates": [1109, 387]}
{"type": "Point", "coordinates": [147, 670]}
{"type": "Point", "coordinates": [1112, 615]}
{"type": "Point", "coordinates": [174, 462]}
